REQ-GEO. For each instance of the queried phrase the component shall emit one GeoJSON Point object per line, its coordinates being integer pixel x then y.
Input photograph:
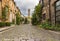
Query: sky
{"type": "Point", "coordinates": [24, 5]}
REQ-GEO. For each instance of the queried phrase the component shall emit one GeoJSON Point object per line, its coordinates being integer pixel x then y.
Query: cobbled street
{"type": "Point", "coordinates": [27, 32]}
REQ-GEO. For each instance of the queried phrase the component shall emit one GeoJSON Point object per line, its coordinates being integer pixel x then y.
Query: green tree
{"type": "Point", "coordinates": [34, 19]}
{"type": "Point", "coordinates": [21, 20]}
{"type": "Point", "coordinates": [37, 15]}
{"type": "Point", "coordinates": [25, 21]}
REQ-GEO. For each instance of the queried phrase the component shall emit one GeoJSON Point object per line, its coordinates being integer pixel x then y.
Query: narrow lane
{"type": "Point", "coordinates": [28, 32]}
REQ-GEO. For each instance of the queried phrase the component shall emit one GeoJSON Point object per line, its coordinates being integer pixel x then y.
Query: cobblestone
{"type": "Point", "coordinates": [28, 32]}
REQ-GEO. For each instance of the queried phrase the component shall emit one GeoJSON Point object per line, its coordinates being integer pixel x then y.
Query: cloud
{"type": "Point", "coordinates": [24, 5]}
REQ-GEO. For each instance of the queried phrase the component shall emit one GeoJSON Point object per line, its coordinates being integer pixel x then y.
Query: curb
{"type": "Point", "coordinates": [6, 28]}
{"type": "Point", "coordinates": [54, 32]}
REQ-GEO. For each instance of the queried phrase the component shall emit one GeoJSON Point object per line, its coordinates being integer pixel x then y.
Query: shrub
{"type": "Point", "coordinates": [57, 27]}
{"type": "Point", "coordinates": [25, 21]}
{"type": "Point", "coordinates": [8, 24]}
{"type": "Point", "coordinates": [21, 20]}
{"type": "Point", "coordinates": [18, 21]}
{"type": "Point", "coordinates": [34, 20]}
{"type": "Point", "coordinates": [2, 24]}
{"type": "Point", "coordinates": [50, 27]}
{"type": "Point", "coordinates": [45, 25]}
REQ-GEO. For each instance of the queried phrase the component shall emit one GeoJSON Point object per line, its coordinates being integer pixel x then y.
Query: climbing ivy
{"type": "Point", "coordinates": [17, 18]}
{"type": "Point", "coordinates": [4, 12]}
{"type": "Point", "coordinates": [37, 15]}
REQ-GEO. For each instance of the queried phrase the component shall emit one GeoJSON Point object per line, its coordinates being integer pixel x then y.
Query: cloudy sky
{"type": "Point", "coordinates": [24, 5]}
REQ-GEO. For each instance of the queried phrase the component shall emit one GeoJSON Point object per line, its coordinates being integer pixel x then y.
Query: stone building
{"type": "Point", "coordinates": [28, 14]}
{"type": "Point", "coordinates": [12, 10]}
{"type": "Point", "coordinates": [45, 10]}
{"type": "Point", "coordinates": [51, 11]}
{"type": "Point", "coordinates": [55, 11]}
{"type": "Point", "coordinates": [10, 4]}
{"type": "Point", "coordinates": [29, 17]}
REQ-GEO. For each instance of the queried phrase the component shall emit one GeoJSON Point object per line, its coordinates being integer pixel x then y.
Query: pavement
{"type": "Point", "coordinates": [52, 31]}
{"type": "Point", "coordinates": [27, 32]}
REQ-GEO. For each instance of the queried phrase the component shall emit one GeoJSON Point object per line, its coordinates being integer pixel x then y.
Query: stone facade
{"type": "Point", "coordinates": [11, 5]}
{"type": "Point", "coordinates": [45, 10]}
{"type": "Point", "coordinates": [49, 11]}
{"type": "Point", "coordinates": [52, 10]}
{"type": "Point", "coordinates": [12, 9]}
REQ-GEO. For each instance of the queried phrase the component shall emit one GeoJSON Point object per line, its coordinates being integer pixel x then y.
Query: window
{"type": "Point", "coordinates": [57, 5]}
{"type": "Point", "coordinates": [58, 12]}
{"type": "Point", "coordinates": [44, 16]}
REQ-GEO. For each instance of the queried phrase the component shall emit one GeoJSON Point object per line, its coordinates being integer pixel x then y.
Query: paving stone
{"type": "Point", "coordinates": [23, 40]}
{"type": "Point", "coordinates": [30, 40]}
{"type": "Point", "coordinates": [28, 32]}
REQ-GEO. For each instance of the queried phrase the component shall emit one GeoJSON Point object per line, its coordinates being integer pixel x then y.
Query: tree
{"type": "Point", "coordinates": [25, 21]}
{"type": "Point", "coordinates": [37, 15]}
{"type": "Point", "coordinates": [38, 12]}
{"type": "Point", "coordinates": [34, 19]}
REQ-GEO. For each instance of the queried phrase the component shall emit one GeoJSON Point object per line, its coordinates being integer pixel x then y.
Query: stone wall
{"type": "Point", "coordinates": [11, 5]}
{"type": "Point", "coordinates": [52, 9]}
{"type": "Point", "coordinates": [45, 9]}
